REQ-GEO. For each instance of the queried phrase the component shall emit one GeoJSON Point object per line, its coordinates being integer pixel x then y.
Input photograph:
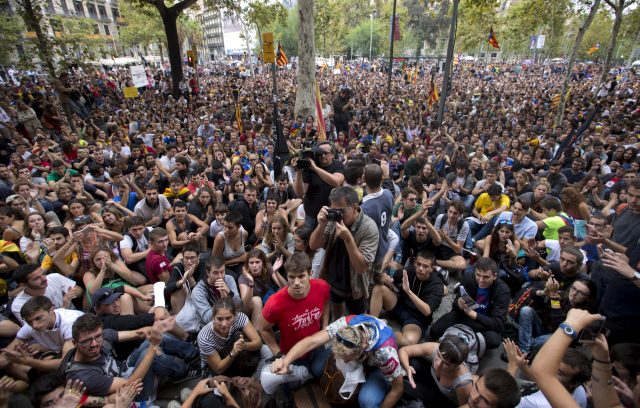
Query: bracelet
{"type": "Point", "coordinates": [231, 354]}
{"type": "Point", "coordinates": [593, 359]}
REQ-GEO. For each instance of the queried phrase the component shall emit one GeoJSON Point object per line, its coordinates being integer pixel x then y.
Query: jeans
{"type": "Point", "coordinates": [315, 361]}
{"type": "Point", "coordinates": [310, 221]}
{"type": "Point", "coordinates": [530, 330]}
{"type": "Point", "coordinates": [468, 202]}
{"type": "Point", "coordinates": [170, 363]}
{"type": "Point", "coordinates": [373, 390]}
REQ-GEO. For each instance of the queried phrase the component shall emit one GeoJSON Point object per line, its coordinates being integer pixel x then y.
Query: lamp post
{"type": "Point", "coordinates": [371, 34]}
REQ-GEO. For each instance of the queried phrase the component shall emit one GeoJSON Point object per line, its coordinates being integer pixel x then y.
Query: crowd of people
{"type": "Point", "coordinates": [336, 257]}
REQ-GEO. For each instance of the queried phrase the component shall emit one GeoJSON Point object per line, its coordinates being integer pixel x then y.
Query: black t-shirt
{"type": "Point", "coordinates": [339, 268]}
{"type": "Point", "coordinates": [429, 291]}
{"type": "Point", "coordinates": [318, 191]}
{"type": "Point", "coordinates": [97, 376]}
{"type": "Point", "coordinates": [412, 247]}
{"type": "Point", "coordinates": [127, 322]}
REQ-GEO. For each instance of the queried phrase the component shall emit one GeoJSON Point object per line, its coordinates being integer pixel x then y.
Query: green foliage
{"type": "Point", "coordinates": [262, 13]}
{"type": "Point", "coordinates": [427, 21]}
{"type": "Point", "coordinates": [358, 39]}
{"type": "Point", "coordinates": [599, 30]}
{"type": "Point", "coordinates": [142, 25]}
{"type": "Point", "coordinates": [287, 34]}
{"type": "Point", "coordinates": [190, 30]}
{"type": "Point", "coordinates": [10, 34]}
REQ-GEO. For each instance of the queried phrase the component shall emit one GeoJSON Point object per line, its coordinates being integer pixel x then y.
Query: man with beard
{"type": "Point", "coordinates": [152, 207]}
{"type": "Point", "coordinates": [415, 164]}
{"type": "Point", "coordinates": [57, 288]}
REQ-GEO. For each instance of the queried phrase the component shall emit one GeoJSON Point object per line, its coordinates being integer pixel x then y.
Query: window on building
{"type": "Point", "coordinates": [63, 4]}
{"type": "Point", "coordinates": [92, 10]}
{"type": "Point", "coordinates": [102, 12]}
{"type": "Point", "coordinates": [77, 5]}
{"type": "Point", "coordinates": [115, 13]}
{"type": "Point", "coordinates": [106, 30]}
{"type": "Point", "coordinates": [50, 8]}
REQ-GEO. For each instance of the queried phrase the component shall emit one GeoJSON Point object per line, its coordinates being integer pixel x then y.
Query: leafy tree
{"type": "Point", "coordinates": [474, 19]}
{"type": "Point", "coordinates": [32, 13]}
{"type": "Point", "coordinates": [358, 38]}
{"type": "Point", "coordinates": [169, 14]}
{"type": "Point", "coordinates": [190, 30]}
{"type": "Point", "coordinates": [287, 34]}
{"type": "Point", "coordinates": [11, 34]}
{"type": "Point", "coordinates": [618, 7]}
{"type": "Point", "coordinates": [599, 31]}
{"type": "Point", "coordinates": [427, 20]}
{"type": "Point", "coordinates": [142, 26]}
{"type": "Point", "coordinates": [262, 13]}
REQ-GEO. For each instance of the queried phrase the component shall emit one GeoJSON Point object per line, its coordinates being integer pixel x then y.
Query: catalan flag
{"type": "Point", "coordinates": [493, 41]}
{"type": "Point", "coordinates": [239, 118]}
{"type": "Point", "coordinates": [322, 131]}
{"type": "Point", "coordinates": [555, 101]}
{"type": "Point", "coordinates": [593, 49]}
{"type": "Point", "coordinates": [433, 93]}
{"type": "Point", "coordinates": [281, 57]}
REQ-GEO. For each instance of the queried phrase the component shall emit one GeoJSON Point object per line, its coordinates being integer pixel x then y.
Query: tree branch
{"type": "Point", "coordinates": [181, 6]}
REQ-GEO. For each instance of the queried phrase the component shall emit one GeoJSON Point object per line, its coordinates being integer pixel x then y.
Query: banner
{"type": "Point", "coordinates": [130, 92]}
{"type": "Point", "coordinates": [138, 76]}
{"type": "Point", "coordinates": [540, 42]}
{"type": "Point", "coordinates": [533, 40]}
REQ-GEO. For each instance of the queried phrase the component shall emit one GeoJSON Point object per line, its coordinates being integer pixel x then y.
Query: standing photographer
{"type": "Point", "coordinates": [350, 239]}
{"type": "Point", "coordinates": [315, 178]}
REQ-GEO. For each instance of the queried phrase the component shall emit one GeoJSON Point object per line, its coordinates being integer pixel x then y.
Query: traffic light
{"type": "Point", "coordinates": [191, 58]}
{"type": "Point", "coordinates": [269, 55]}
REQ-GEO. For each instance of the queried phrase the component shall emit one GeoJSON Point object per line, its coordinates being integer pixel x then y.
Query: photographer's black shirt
{"type": "Point", "coordinates": [318, 192]}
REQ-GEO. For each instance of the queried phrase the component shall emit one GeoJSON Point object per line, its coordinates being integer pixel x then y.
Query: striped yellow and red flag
{"type": "Point", "coordinates": [281, 57]}
{"type": "Point", "coordinates": [493, 41]}
{"type": "Point", "coordinates": [239, 118]}
{"type": "Point", "coordinates": [593, 49]}
{"type": "Point", "coordinates": [555, 101]}
{"type": "Point", "coordinates": [433, 93]}
{"type": "Point", "coordinates": [322, 131]}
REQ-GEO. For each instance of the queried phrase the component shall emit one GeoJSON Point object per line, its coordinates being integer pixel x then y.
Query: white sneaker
{"type": "Point", "coordinates": [184, 394]}
{"type": "Point", "coordinates": [174, 404]}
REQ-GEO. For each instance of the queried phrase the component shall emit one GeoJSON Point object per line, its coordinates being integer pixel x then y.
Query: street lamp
{"type": "Point", "coordinates": [371, 34]}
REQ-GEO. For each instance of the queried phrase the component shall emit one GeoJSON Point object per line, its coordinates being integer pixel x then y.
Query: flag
{"type": "Point", "coordinates": [433, 93]}
{"type": "Point", "coordinates": [395, 27]}
{"type": "Point", "coordinates": [239, 118]}
{"type": "Point", "coordinates": [281, 57]}
{"type": "Point", "coordinates": [322, 131]}
{"type": "Point", "coordinates": [555, 101]}
{"type": "Point", "coordinates": [456, 59]}
{"type": "Point", "coordinates": [593, 49]}
{"type": "Point", "coordinates": [493, 41]}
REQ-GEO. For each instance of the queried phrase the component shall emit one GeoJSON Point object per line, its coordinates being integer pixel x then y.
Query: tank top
{"type": "Point", "coordinates": [450, 392]}
{"type": "Point", "coordinates": [191, 227]}
{"type": "Point", "coordinates": [230, 253]}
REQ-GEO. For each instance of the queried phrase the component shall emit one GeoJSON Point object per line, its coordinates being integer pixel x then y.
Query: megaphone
{"type": "Point", "coordinates": [270, 381]}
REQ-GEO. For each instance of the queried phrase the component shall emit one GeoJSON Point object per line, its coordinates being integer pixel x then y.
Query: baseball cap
{"type": "Point", "coordinates": [104, 296]}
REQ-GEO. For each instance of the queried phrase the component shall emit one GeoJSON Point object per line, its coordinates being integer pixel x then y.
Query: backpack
{"type": "Point", "coordinates": [475, 342]}
{"type": "Point", "coordinates": [134, 242]}
{"type": "Point", "coordinates": [332, 380]}
{"type": "Point", "coordinates": [445, 217]}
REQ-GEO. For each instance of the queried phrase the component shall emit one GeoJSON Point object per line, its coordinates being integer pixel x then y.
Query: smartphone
{"type": "Point", "coordinates": [468, 300]}
{"type": "Point", "coordinates": [590, 333]}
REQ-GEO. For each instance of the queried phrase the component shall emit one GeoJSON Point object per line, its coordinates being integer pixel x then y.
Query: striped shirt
{"type": "Point", "coordinates": [211, 342]}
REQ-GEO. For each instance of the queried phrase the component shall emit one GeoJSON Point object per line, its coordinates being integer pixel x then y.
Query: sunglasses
{"type": "Point", "coordinates": [505, 222]}
{"type": "Point", "coordinates": [346, 342]}
{"type": "Point", "coordinates": [83, 219]}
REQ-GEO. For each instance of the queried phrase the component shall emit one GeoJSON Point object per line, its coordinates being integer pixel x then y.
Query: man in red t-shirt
{"type": "Point", "coordinates": [158, 266]}
{"type": "Point", "coordinates": [300, 310]}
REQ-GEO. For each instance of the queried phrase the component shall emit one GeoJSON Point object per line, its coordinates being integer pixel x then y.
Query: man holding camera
{"type": "Point", "coordinates": [315, 178]}
{"type": "Point", "coordinates": [350, 239]}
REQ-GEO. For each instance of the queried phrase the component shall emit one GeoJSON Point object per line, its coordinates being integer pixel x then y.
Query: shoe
{"type": "Point", "coordinates": [174, 404]}
{"type": "Point", "coordinates": [443, 274]}
{"type": "Point", "coordinates": [191, 374]}
{"type": "Point", "coordinates": [184, 394]}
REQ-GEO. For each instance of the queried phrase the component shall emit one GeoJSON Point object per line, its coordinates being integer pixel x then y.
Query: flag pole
{"type": "Point", "coordinates": [393, 34]}
{"type": "Point", "coordinates": [448, 62]}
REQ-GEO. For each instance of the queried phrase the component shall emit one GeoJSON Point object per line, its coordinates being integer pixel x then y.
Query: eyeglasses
{"type": "Point", "coordinates": [89, 341]}
{"type": "Point", "coordinates": [579, 292]}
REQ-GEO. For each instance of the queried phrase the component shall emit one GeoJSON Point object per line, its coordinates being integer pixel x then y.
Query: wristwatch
{"type": "Point", "coordinates": [568, 330]}
{"type": "Point", "coordinates": [636, 276]}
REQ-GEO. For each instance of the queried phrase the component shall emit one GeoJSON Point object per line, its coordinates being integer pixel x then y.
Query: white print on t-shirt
{"type": "Point", "coordinates": [306, 319]}
{"type": "Point", "coordinates": [383, 219]}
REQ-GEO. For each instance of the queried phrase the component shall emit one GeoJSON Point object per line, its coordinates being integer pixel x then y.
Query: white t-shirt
{"type": "Point", "coordinates": [55, 338]}
{"type": "Point", "coordinates": [538, 400]}
{"type": "Point", "coordinates": [143, 243]}
{"type": "Point", "coordinates": [554, 251]}
{"type": "Point", "coordinates": [168, 163]}
{"type": "Point", "coordinates": [57, 286]}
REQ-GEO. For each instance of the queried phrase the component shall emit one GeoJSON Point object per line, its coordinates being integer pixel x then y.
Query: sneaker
{"type": "Point", "coordinates": [184, 394]}
{"type": "Point", "coordinates": [191, 374]}
{"type": "Point", "coordinates": [174, 404]}
{"type": "Point", "coordinates": [443, 274]}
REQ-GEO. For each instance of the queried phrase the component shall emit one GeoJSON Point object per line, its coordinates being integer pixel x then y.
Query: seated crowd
{"type": "Point", "coordinates": [129, 263]}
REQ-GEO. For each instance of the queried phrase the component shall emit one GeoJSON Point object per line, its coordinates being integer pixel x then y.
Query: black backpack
{"type": "Point", "coordinates": [445, 217]}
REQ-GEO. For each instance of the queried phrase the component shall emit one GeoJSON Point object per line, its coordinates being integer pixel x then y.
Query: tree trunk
{"type": "Point", "coordinates": [306, 60]}
{"type": "Point", "coordinates": [34, 15]}
{"type": "Point", "coordinates": [612, 42]}
{"type": "Point", "coordinates": [161, 53]}
{"type": "Point", "coordinates": [572, 60]}
{"type": "Point", "coordinates": [170, 20]}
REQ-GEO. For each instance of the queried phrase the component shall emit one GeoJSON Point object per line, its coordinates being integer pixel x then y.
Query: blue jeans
{"type": "Point", "coordinates": [315, 361]}
{"type": "Point", "coordinates": [530, 330]}
{"type": "Point", "coordinates": [373, 390]}
{"type": "Point", "coordinates": [468, 202]}
{"type": "Point", "coordinates": [170, 363]}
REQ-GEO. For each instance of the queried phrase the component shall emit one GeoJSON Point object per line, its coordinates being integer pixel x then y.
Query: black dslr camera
{"type": "Point", "coordinates": [334, 215]}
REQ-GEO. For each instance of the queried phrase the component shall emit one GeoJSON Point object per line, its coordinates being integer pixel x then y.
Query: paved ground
{"type": "Point", "coordinates": [170, 392]}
